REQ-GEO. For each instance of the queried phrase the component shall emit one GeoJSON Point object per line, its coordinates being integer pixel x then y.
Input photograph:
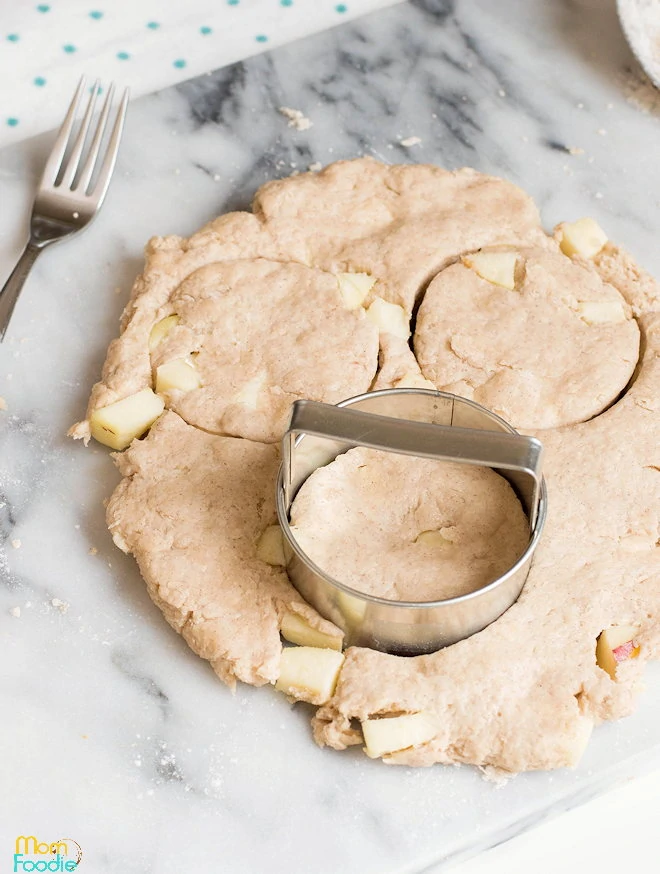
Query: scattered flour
{"type": "Point", "coordinates": [410, 141]}
{"type": "Point", "coordinates": [296, 118]}
{"type": "Point", "coordinates": [15, 612]}
{"type": "Point", "coordinates": [315, 167]}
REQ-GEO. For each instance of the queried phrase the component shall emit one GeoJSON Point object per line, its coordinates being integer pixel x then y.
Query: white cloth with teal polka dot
{"type": "Point", "coordinates": [145, 44]}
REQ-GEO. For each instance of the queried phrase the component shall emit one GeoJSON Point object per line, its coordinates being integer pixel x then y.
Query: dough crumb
{"type": "Point", "coordinates": [575, 150]}
{"type": "Point", "coordinates": [92, 550]}
{"type": "Point", "coordinates": [3, 404]}
{"type": "Point", "coordinates": [15, 612]}
{"type": "Point", "coordinates": [62, 606]}
{"type": "Point", "coordinates": [16, 543]}
{"type": "Point", "coordinates": [296, 118]}
{"type": "Point", "coordinates": [315, 167]}
{"type": "Point", "coordinates": [410, 141]}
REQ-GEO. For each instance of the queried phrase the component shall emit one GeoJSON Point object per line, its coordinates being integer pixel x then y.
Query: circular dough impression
{"type": "Point", "coordinates": [554, 351]}
{"type": "Point", "coordinates": [261, 335]}
{"type": "Point", "coordinates": [409, 529]}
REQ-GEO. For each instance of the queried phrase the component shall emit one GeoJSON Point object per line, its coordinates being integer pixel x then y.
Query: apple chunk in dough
{"type": "Point", "coordinates": [270, 547]}
{"type": "Point", "coordinates": [294, 629]}
{"type": "Point", "coordinates": [118, 424]}
{"type": "Point", "coordinates": [584, 237]}
{"type": "Point", "coordinates": [601, 312]}
{"type": "Point", "coordinates": [496, 267]}
{"type": "Point", "coordinates": [389, 318]}
{"type": "Point", "coordinates": [309, 673]}
{"type": "Point", "coordinates": [354, 287]}
{"type": "Point", "coordinates": [393, 733]}
{"type": "Point", "coordinates": [160, 330]}
{"type": "Point", "coordinates": [180, 373]}
{"type": "Point", "coordinates": [616, 644]}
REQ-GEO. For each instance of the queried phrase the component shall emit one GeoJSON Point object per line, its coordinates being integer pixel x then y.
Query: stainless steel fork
{"type": "Point", "coordinates": [68, 198]}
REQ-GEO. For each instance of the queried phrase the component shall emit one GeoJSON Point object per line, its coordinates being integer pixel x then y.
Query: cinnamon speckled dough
{"type": "Point", "coordinates": [400, 223]}
{"type": "Point", "coordinates": [263, 335]}
{"type": "Point", "coordinates": [527, 354]}
{"type": "Point", "coordinates": [360, 519]}
{"type": "Point", "coordinates": [191, 509]}
{"type": "Point", "coordinates": [524, 693]}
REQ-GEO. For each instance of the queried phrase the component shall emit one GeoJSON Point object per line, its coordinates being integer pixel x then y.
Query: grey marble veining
{"type": "Point", "coordinates": [113, 731]}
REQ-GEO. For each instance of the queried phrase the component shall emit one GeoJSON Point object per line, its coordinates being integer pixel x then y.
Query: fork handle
{"type": "Point", "coordinates": [12, 287]}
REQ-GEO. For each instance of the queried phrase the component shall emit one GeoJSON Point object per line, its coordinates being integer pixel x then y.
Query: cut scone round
{"type": "Point", "coordinates": [537, 338]}
{"type": "Point", "coordinates": [250, 337]}
{"type": "Point", "coordinates": [408, 528]}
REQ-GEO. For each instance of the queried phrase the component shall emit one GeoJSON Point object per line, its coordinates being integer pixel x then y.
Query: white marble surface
{"type": "Point", "coordinates": [112, 731]}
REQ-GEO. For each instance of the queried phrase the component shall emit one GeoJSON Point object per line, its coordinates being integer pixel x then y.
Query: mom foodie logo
{"type": "Point", "coordinates": [65, 854]}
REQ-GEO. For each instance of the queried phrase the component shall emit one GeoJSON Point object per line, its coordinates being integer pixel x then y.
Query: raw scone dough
{"type": "Point", "coordinates": [400, 224]}
{"type": "Point", "coordinates": [409, 529]}
{"type": "Point", "coordinates": [530, 354]}
{"type": "Point", "coordinates": [525, 692]}
{"type": "Point", "coordinates": [191, 509]}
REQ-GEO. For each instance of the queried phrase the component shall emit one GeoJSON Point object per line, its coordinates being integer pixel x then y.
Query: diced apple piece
{"type": "Point", "coordinates": [296, 630]}
{"type": "Point", "coordinates": [616, 644]}
{"type": "Point", "coordinates": [601, 312]}
{"type": "Point", "coordinates": [248, 396]}
{"type": "Point", "coordinates": [496, 267]}
{"type": "Point", "coordinates": [389, 318]}
{"type": "Point", "coordinates": [584, 237]}
{"type": "Point", "coordinates": [309, 673]}
{"type": "Point", "coordinates": [270, 547]}
{"type": "Point", "coordinates": [180, 373]}
{"type": "Point", "coordinates": [434, 539]}
{"type": "Point", "coordinates": [160, 330]}
{"type": "Point", "coordinates": [118, 424]}
{"type": "Point", "coordinates": [354, 287]}
{"type": "Point", "coordinates": [574, 747]}
{"type": "Point", "coordinates": [394, 733]}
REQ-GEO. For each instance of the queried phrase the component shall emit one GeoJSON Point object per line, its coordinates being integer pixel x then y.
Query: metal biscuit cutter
{"type": "Point", "coordinates": [427, 424]}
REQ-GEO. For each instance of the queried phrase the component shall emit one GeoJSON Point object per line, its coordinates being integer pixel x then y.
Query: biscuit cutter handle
{"type": "Point", "coordinates": [519, 458]}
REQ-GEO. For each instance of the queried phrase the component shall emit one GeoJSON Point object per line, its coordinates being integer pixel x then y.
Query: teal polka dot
{"type": "Point", "coordinates": [13, 37]}
{"type": "Point", "coordinates": [153, 25]}
{"type": "Point", "coordinates": [123, 56]}
{"type": "Point", "coordinates": [43, 7]}
{"type": "Point", "coordinates": [39, 81]}
{"type": "Point", "coordinates": [233, 2]}
{"type": "Point", "coordinates": [261, 38]}
{"type": "Point", "coordinates": [179, 64]}
{"type": "Point", "coordinates": [12, 122]}
{"type": "Point", "coordinates": [286, 2]}
{"type": "Point", "coordinates": [341, 7]}
{"type": "Point", "coordinates": [205, 31]}
{"type": "Point", "coordinates": [96, 14]}
{"type": "Point", "coordinates": [69, 49]}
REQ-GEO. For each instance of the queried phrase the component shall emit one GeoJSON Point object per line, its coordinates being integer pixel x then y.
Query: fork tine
{"type": "Point", "coordinates": [88, 166]}
{"type": "Point", "coordinates": [76, 152]}
{"type": "Point", "coordinates": [54, 161]}
{"type": "Point", "coordinates": [101, 187]}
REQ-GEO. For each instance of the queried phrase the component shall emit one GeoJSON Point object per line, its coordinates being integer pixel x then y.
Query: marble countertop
{"type": "Point", "coordinates": [117, 734]}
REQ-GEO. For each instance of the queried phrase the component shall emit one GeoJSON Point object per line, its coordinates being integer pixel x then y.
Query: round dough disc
{"type": "Point", "coordinates": [261, 335]}
{"type": "Point", "coordinates": [406, 528]}
{"type": "Point", "coordinates": [556, 350]}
